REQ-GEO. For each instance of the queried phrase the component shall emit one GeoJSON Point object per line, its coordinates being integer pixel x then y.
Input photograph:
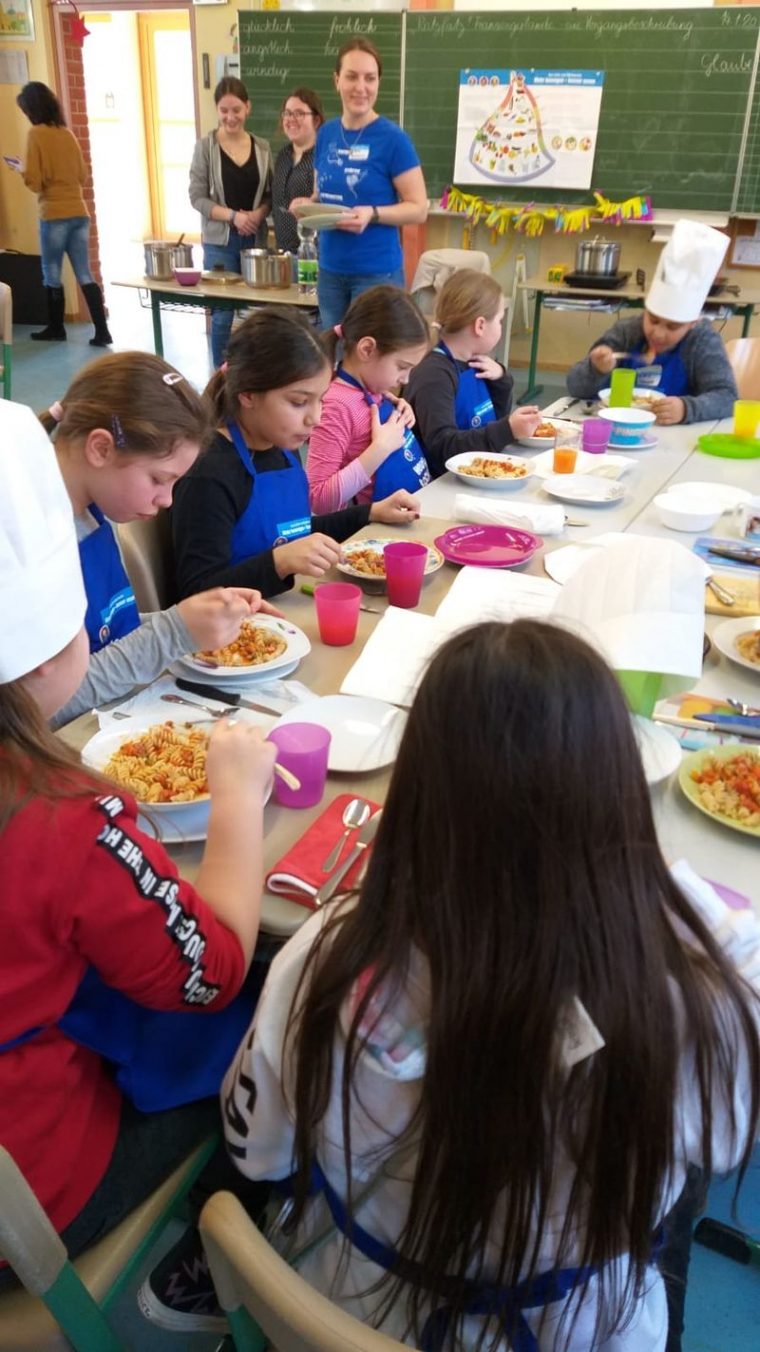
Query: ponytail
{"type": "Point", "coordinates": [386, 313]}
{"type": "Point", "coordinates": [272, 348]}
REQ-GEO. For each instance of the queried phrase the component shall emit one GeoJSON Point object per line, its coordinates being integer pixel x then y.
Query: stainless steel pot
{"type": "Point", "coordinates": [280, 269]}
{"type": "Point", "coordinates": [255, 267]}
{"type": "Point", "coordinates": [597, 256]}
{"type": "Point", "coordinates": [161, 256]}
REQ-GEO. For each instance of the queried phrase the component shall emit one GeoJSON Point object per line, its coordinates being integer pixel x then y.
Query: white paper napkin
{"type": "Point", "coordinates": [607, 466]}
{"type": "Point", "coordinates": [149, 705]}
{"type": "Point", "coordinates": [479, 594]}
{"type": "Point", "coordinates": [533, 516]}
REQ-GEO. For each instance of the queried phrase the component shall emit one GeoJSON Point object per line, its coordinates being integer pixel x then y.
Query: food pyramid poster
{"type": "Point", "coordinates": [528, 126]}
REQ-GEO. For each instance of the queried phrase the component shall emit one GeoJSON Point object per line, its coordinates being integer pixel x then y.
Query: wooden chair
{"type": "Point", "coordinates": [6, 336]}
{"type": "Point", "coordinates": [744, 356]}
{"type": "Point", "coordinates": [266, 1302]}
{"type": "Point", "coordinates": [65, 1304]}
{"type": "Point", "coordinates": [147, 550]}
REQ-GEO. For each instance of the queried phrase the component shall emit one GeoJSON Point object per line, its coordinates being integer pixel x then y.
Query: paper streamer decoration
{"type": "Point", "coordinates": [531, 218]}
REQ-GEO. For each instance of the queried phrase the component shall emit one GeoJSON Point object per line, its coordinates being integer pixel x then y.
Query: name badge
{"type": "Point", "coordinates": [292, 530]}
{"type": "Point", "coordinates": [359, 153]}
{"type": "Point", "coordinates": [118, 601]}
{"type": "Point", "coordinates": [481, 411]}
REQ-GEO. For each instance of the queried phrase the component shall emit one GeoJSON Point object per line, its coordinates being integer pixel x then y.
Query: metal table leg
{"type": "Point", "coordinates": [158, 339]}
{"type": "Point", "coordinates": [533, 389]}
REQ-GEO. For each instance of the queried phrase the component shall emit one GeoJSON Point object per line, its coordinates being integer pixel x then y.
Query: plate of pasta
{"type": "Point", "coordinates": [494, 471]}
{"type": "Point", "coordinates": [365, 561]}
{"type": "Point", "coordinates": [265, 644]}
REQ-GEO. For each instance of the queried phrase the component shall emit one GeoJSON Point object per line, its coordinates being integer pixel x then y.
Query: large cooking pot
{"type": "Point", "coordinates": [280, 269]}
{"type": "Point", "coordinates": [161, 256]}
{"type": "Point", "coordinates": [597, 257]}
{"type": "Point", "coordinates": [255, 267]}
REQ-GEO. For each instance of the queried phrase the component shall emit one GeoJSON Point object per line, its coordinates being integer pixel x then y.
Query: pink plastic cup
{"type": "Point", "coordinates": [595, 435]}
{"type": "Point", "coordinates": [404, 571]}
{"type": "Point", "coordinates": [302, 748]}
{"type": "Point", "coordinates": [337, 612]}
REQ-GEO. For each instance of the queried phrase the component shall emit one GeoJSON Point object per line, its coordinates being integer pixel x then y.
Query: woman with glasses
{"type": "Point", "coordinates": [302, 115]}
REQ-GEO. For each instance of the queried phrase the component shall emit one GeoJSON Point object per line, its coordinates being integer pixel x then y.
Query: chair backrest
{"type": "Point", "coordinates": [436, 266]}
{"type": "Point", "coordinates": [744, 356]}
{"type": "Point", "coordinates": [147, 550]}
{"type": "Point", "coordinates": [248, 1272]}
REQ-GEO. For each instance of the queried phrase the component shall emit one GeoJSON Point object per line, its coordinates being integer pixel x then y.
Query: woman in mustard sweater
{"type": "Point", "coordinates": [56, 171]}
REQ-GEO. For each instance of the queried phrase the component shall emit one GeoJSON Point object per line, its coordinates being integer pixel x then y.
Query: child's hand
{"type": "Point", "coordinates": [670, 410]}
{"type": "Point", "coordinates": [238, 760]}
{"type": "Point", "coordinates": [486, 368]}
{"type": "Point", "coordinates": [310, 554]}
{"type": "Point", "coordinates": [387, 437]}
{"type": "Point", "coordinates": [400, 509]}
{"type": "Point", "coordinates": [603, 359]}
{"type": "Point", "coordinates": [524, 420]}
{"type": "Point", "coordinates": [403, 409]}
{"type": "Point", "coordinates": [214, 617]}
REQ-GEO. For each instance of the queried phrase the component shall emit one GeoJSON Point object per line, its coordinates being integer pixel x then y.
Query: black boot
{"type": "Point", "coordinates": [54, 331]}
{"type": "Point", "coordinates": [94, 297]}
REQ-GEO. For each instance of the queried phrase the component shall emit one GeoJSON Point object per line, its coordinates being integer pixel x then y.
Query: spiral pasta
{"type": "Point", "coordinates": [164, 764]}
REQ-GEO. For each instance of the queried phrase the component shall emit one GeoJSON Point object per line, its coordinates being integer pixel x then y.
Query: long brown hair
{"type": "Point", "coordinates": [521, 859]}
{"type": "Point", "coordinates": [465, 297]}
{"type": "Point", "coordinates": [385, 313]}
{"type": "Point", "coordinates": [271, 348]}
{"type": "Point", "coordinates": [33, 762]}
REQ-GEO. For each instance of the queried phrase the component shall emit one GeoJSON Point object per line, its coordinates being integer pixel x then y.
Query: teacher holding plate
{"type": "Point", "coordinates": [367, 166]}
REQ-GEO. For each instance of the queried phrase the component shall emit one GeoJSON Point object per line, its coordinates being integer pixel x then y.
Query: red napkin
{"type": "Point", "coordinates": [298, 875]}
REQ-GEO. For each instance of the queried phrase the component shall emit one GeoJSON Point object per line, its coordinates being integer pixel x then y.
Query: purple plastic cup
{"type": "Point", "coordinates": [595, 435]}
{"type": "Point", "coordinates": [303, 749]}
{"type": "Point", "coordinates": [404, 570]}
{"type": "Point", "coordinates": [337, 612]}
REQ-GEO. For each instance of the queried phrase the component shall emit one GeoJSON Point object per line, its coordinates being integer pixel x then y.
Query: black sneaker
{"type": "Point", "coordinates": [179, 1293]}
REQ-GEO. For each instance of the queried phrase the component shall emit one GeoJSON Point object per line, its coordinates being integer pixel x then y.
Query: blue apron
{"type": "Point", "coordinates": [405, 468]}
{"type": "Point", "coordinates": [278, 509]}
{"type": "Point", "coordinates": [111, 606]}
{"type": "Point", "coordinates": [667, 375]}
{"type": "Point", "coordinates": [473, 406]}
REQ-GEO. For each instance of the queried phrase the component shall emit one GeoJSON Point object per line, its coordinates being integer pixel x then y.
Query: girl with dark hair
{"type": "Point", "coordinates": [126, 429]}
{"type": "Point", "coordinates": [231, 187]}
{"type": "Point", "coordinates": [491, 1071]}
{"type": "Point", "coordinates": [241, 517]}
{"type": "Point", "coordinates": [302, 115]}
{"type": "Point", "coordinates": [56, 171]}
{"type": "Point", "coordinates": [364, 446]}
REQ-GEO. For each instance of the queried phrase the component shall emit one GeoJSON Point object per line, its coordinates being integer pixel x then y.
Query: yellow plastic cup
{"type": "Point", "coordinates": [621, 387]}
{"type": "Point", "coordinates": [746, 418]}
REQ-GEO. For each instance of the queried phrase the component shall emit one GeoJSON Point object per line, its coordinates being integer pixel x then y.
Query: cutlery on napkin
{"type": "Point", "coordinates": [298, 874]}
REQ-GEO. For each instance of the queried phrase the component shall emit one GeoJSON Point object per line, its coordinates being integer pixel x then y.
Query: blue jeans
{"type": "Point", "coordinates": [69, 236]}
{"type": "Point", "coordinates": [221, 320]}
{"type": "Point", "coordinates": [336, 290]}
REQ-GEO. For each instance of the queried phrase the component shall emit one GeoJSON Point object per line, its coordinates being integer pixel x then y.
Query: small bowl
{"type": "Point", "coordinates": [678, 511]}
{"type": "Point", "coordinates": [629, 425]}
{"type": "Point", "coordinates": [187, 276]}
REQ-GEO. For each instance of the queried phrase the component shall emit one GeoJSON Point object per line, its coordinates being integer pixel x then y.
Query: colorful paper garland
{"type": "Point", "coordinates": [531, 218]}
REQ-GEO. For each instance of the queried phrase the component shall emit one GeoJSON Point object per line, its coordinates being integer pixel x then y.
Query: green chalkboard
{"type": "Point", "coordinates": [279, 51]}
{"type": "Point", "coordinates": [676, 92]}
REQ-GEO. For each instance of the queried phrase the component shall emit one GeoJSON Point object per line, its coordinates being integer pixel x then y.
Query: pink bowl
{"type": "Point", "coordinates": [187, 276]}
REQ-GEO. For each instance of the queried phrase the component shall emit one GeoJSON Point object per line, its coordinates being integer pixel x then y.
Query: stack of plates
{"type": "Point", "coordinates": [318, 215]}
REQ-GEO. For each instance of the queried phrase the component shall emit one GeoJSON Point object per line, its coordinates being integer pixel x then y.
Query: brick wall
{"type": "Point", "coordinates": [71, 61]}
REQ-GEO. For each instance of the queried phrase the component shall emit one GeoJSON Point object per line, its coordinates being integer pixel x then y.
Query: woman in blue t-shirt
{"type": "Point", "coordinates": [368, 165]}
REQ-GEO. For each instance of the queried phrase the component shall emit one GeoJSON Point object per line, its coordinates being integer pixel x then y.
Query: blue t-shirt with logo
{"type": "Point", "coordinates": [357, 169]}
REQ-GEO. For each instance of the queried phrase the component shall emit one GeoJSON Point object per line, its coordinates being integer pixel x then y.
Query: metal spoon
{"type": "Point", "coordinates": [355, 814]}
{"type": "Point", "coordinates": [726, 597]}
{"type": "Point", "coordinates": [746, 710]}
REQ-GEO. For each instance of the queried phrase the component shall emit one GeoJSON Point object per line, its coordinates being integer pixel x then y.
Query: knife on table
{"type": "Point", "coordinates": [224, 696]}
{"type": "Point", "coordinates": [739, 555]}
{"type": "Point", "coordinates": [363, 840]}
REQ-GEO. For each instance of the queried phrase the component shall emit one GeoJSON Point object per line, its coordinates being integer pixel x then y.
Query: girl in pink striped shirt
{"type": "Point", "coordinates": [364, 441]}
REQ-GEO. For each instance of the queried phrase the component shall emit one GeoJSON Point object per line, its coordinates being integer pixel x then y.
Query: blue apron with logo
{"type": "Point", "coordinates": [111, 606]}
{"type": "Point", "coordinates": [667, 375]}
{"type": "Point", "coordinates": [473, 406]}
{"type": "Point", "coordinates": [405, 468]}
{"type": "Point", "coordinates": [278, 509]}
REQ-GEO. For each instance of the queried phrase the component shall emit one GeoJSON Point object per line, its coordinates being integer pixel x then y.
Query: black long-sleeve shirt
{"type": "Point", "coordinates": [432, 392]}
{"type": "Point", "coordinates": [208, 503]}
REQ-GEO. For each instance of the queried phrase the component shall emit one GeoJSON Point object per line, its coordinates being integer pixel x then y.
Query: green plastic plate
{"type": "Point", "coordinates": [729, 446]}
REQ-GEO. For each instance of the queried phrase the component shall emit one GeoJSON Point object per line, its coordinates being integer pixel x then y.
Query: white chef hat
{"type": "Point", "coordinates": [685, 271]}
{"type": "Point", "coordinates": [42, 598]}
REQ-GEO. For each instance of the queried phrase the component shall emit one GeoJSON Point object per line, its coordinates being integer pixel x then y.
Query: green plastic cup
{"type": "Point", "coordinates": [641, 690]}
{"type": "Point", "coordinates": [621, 388]}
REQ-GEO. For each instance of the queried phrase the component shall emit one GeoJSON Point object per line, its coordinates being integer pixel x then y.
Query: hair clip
{"type": "Point", "coordinates": [338, 330]}
{"type": "Point", "coordinates": [56, 410]}
{"type": "Point", "coordinates": [172, 378]}
{"type": "Point", "coordinates": [117, 432]}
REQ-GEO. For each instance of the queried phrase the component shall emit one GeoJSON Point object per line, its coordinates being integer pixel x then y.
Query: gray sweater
{"type": "Point", "coordinates": [712, 387]}
{"type": "Point", "coordinates": [207, 191]}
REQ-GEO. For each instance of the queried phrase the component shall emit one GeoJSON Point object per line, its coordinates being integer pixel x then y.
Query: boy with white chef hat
{"type": "Point", "coordinates": [677, 355]}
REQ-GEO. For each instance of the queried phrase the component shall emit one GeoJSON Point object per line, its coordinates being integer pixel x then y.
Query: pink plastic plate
{"type": "Point", "coordinates": [488, 546]}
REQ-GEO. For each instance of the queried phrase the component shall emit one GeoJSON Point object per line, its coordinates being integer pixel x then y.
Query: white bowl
{"type": "Point", "coordinates": [639, 392]}
{"type": "Point", "coordinates": [678, 511]}
{"type": "Point", "coordinates": [628, 424]}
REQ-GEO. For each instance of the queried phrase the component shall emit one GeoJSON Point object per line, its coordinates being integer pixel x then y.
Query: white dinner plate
{"type": "Point", "coordinates": [457, 465]}
{"type": "Point", "coordinates": [642, 392]}
{"type": "Point", "coordinates": [586, 489]}
{"type": "Point", "coordinates": [560, 425]}
{"type": "Point", "coordinates": [617, 465]}
{"type": "Point", "coordinates": [235, 684]}
{"type": "Point", "coordinates": [320, 220]}
{"type": "Point", "coordinates": [725, 636]}
{"type": "Point", "coordinates": [365, 733]}
{"type": "Point", "coordinates": [724, 496]}
{"type": "Point", "coordinates": [435, 560]}
{"type": "Point", "coordinates": [305, 209]}
{"type": "Point", "coordinates": [188, 823]}
{"type": "Point", "coordinates": [660, 750]}
{"type": "Point", "coordinates": [297, 646]}
{"type": "Point", "coordinates": [647, 443]}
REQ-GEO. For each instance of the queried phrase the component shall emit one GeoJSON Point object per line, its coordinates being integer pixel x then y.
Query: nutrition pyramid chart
{"type": "Point", "coordinates": [528, 126]}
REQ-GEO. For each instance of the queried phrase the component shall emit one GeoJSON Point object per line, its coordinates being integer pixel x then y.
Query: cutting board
{"type": "Point", "coordinates": [745, 586]}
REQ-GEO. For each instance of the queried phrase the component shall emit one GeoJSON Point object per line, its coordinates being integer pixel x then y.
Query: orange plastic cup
{"type": "Point", "coordinates": [564, 459]}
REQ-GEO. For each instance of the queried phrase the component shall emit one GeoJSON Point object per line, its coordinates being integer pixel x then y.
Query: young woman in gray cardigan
{"type": "Point", "coordinates": [231, 187]}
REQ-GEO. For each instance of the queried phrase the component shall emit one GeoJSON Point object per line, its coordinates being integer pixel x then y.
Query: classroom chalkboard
{"type": "Point", "coordinates": [677, 88]}
{"type": "Point", "coordinates": [279, 51]}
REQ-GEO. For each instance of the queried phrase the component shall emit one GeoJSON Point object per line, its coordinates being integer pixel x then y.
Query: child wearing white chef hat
{"type": "Point", "coordinates": [678, 355]}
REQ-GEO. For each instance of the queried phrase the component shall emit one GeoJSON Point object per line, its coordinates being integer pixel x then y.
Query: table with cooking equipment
{"type": "Point", "coordinates": [628, 296]}
{"type": "Point", "coordinates": [206, 294]}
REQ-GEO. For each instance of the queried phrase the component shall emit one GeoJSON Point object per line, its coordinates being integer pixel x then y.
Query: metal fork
{"type": "Point", "coordinates": [746, 710]}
